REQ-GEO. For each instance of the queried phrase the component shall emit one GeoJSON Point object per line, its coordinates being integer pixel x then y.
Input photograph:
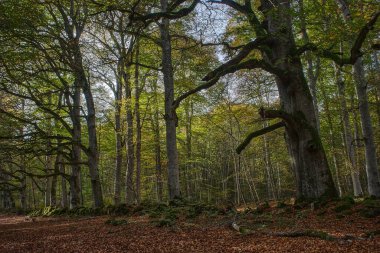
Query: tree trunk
{"type": "Point", "coordinates": [368, 136]}
{"type": "Point", "coordinates": [138, 127]}
{"type": "Point", "coordinates": [23, 192]}
{"type": "Point", "coordinates": [53, 190]}
{"type": "Point", "coordinates": [75, 186]}
{"type": "Point", "coordinates": [188, 129]}
{"type": "Point", "coordinates": [313, 176]}
{"type": "Point", "coordinates": [170, 116]}
{"type": "Point", "coordinates": [48, 166]}
{"type": "Point", "coordinates": [64, 200]}
{"type": "Point", "coordinates": [157, 147]}
{"type": "Point", "coordinates": [361, 90]}
{"type": "Point", "coordinates": [130, 188]}
{"type": "Point", "coordinates": [332, 141]}
{"type": "Point", "coordinates": [93, 154]}
{"type": "Point", "coordinates": [119, 137]}
{"type": "Point", "coordinates": [349, 144]}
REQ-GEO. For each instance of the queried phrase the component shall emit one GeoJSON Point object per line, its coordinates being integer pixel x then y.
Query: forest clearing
{"type": "Point", "coordinates": [189, 125]}
{"type": "Point", "coordinates": [333, 227]}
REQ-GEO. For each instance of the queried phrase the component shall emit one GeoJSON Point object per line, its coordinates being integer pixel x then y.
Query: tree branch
{"type": "Point", "coordinates": [355, 52]}
{"type": "Point", "coordinates": [252, 135]}
{"type": "Point", "coordinates": [227, 69]}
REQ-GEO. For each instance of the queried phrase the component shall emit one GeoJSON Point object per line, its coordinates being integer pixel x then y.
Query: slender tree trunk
{"type": "Point", "coordinates": [368, 136]}
{"type": "Point", "coordinates": [332, 142]}
{"type": "Point", "coordinates": [53, 190]}
{"type": "Point", "coordinates": [313, 176]}
{"type": "Point", "coordinates": [268, 169]}
{"type": "Point", "coordinates": [119, 136]}
{"type": "Point", "coordinates": [157, 147]}
{"type": "Point", "coordinates": [350, 149]}
{"type": "Point", "coordinates": [23, 190]}
{"type": "Point", "coordinates": [93, 154]}
{"type": "Point", "coordinates": [75, 186]}
{"type": "Point", "coordinates": [48, 165]}
{"type": "Point", "coordinates": [138, 127]}
{"type": "Point", "coordinates": [188, 130]}
{"type": "Point", "coordinates": [129, 184]}
{"type": "Point", "coordinates": [170, 116]}
{"type": "Point", "coordinates": [64, 200]}
{"type": "Point", "coordinates": [361, 90]}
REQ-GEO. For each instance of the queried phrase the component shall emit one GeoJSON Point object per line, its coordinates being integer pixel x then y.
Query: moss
{"type": "Point", "coordinates": [164, 222]}
{"type": "Point", "coordinates": [342, 207]}
{"type": "Point", "coordinates": [371, 203]}
{"type": "Point", "coordinates": [370, 213]}
{"type": "Point", "coordinates": [115, 222]}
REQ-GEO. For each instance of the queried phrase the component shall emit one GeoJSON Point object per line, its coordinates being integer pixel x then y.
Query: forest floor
{"type": "Point", "coordinates": [334, 228]}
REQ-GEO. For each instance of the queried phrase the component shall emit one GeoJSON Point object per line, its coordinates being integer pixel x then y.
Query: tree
{"type": "Point", "coordinates": [276, 43]}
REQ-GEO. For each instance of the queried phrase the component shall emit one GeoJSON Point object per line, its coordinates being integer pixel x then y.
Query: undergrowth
{"type": "Point", "coordinates": [167, 214]}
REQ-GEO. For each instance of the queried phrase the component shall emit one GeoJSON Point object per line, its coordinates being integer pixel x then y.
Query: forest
{"type": "Point", "coordinates": [255, 121]}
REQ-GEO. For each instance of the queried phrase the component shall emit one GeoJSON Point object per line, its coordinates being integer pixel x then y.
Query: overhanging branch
{"type": "Point", "coordinates": [355, 52]}
{"type": "Point", "coordinates": [227, 69]}
{"type": "Point", "coordinates": [260, 132]}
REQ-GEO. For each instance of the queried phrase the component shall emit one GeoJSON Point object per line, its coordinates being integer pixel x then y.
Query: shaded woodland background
{"type": "Point", "coordinates": [87, 91]}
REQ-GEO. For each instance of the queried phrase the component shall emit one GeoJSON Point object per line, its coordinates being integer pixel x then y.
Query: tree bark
{"type": "Point", "coordinates": [170, 115]}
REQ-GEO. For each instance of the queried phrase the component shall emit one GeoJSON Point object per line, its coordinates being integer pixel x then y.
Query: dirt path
{"type": "Point", "coordinates": [18, 234]}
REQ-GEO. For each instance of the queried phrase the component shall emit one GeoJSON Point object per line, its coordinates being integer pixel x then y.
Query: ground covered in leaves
{"type": "Point", "coordinates": [342, 226]}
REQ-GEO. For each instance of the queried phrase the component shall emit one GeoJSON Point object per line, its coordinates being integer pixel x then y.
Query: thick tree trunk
{"type": "Point", "coordinates": [170, 115]}
{"type": "Point", "coordinates": [313, 176]}
{"type": "Point", "coordinates": [349, 144]}
{"type": "Point", "coordinates": [368, 136]}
